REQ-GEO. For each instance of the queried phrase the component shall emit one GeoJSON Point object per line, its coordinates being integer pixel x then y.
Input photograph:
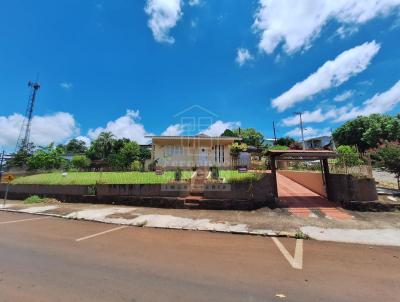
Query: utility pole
{"type": "Point", "coordinates": [301, 127]}
{"type": "Point", "coordinates": [273, 125]}
{"type": "Point", "coordinates": [1, 165]}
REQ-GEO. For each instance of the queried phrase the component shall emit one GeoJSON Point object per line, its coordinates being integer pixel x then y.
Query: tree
{"type": "Point", "coordinates": [80, 161]}
{"type": "Point", "coordinates": [229, 132]}
{"type": "Point", "coordinates": [236, 148]}
{"type": "Point", "coordinates": [284, 141]}
{"type": "Point", "coordinates": [20, 158]}
{"type": "Point", "coordinates": [348, 156]}
{"type": "Point", "coordinates": [46, 158]}
{"type": "Point", "coordinates": [390, 155]}
{"type": "Point", "coordinates": [129, 153]}
{"type": "Point", "coordinates": [250, 136]}
{"type": "Point", "coordinates": [75, 146]}
{"type": "Point", "coordinates": [105, 143]}
{"type": "Point", "coordinates": [368, 131]}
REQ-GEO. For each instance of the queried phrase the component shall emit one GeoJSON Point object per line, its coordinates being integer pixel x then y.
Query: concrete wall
{"type": "Point", "coordinates": [311, 180]}
{"type": "Point", "coordinates": [344, 187]}
{"type": "Point", "coordinates": [261, 190]}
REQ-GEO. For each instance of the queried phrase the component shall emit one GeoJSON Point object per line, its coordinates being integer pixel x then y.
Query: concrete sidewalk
{"type": "Point", "coordinates": [367, 228]}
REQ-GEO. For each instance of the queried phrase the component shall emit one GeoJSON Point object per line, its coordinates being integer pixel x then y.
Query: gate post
{"type": "Point", "coordinates": [327, 177]}
{"type": "Point", "coordinates": [273, 171]}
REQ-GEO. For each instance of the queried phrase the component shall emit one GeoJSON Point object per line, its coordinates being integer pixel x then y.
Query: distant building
{"type": "Point", "coordinates": [321, 142]}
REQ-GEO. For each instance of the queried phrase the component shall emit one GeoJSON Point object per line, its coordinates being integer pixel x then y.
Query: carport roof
{"type": "Point", "coordinates": [302, 154]}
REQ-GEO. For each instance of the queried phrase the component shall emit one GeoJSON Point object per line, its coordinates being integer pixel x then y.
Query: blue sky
{"type": "Point", "coordinates": [130, 66]}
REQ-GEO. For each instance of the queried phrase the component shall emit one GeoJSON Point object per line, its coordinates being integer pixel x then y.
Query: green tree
{"type": "Point", "coordinates": [236, 148]}
{"type": "Point", "coordinates": [390, 155]}
{"type": "Point", "coordinates": [229, 132]}
{"type": "Point", "coordinates": [250, 136]}
{"type": "Point", "coordinates": [368, 131]}
{"type": "Point", "coordinates": [46, 158]}
{"type": "Point", "coordinates": [80, 161]}
{"type": "Point", "coordinates": [348, 156]}
{"type": "Point", "coordinates": [20, 158]}
{"type": "Point", "coordinates": [130, 152]}
{"type": "Point", "coordinates": [284, 141]}
{"type": "Point", "coordinates": [104, 143]}
{"type": "Point", "coordinates": [75, 146]}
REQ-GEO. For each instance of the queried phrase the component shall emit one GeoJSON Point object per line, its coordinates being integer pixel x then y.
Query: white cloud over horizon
{"type": "Point", "coordinates": [218, 127]}
{"type": "Point", "coordinates": [45, 129]}
{"type": "Point", "coordinates": [243, 55]}
{"type": "Point", "coordinates": [308, 132]}
{"type": "Point", "coordinates": [278, 22]}
{"type": "Point", "coordinates": [332, 73]}
{"type": "Point", "coordinates": [164, 15]}
{"type": "Point", "coordinates": [126, 126]}
{"type": "Point", "coordinates": [174, 130]}
{"type": "Point", "coordinates": [66, 85]}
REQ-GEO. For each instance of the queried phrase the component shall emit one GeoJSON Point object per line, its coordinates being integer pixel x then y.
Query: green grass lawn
{"type": "Point", "coordinates": [235, 176]}
{"type": "Point", "coordinates": [91, 178]}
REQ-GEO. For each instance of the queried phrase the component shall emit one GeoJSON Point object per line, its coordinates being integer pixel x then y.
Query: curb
{"type": "Point", "coordinates": [263, 233]}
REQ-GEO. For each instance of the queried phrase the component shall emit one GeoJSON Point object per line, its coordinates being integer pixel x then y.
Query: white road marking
{"type": "Point", "coordinates": [101, 233]}
{"type": "Point", "coordinates": [22, 220]}
{"type": "Point", "coordinates": [296, 261]}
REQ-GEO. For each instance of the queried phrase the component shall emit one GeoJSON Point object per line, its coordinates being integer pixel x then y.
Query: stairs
{"type": "Point", "coordinates": [197, 184]}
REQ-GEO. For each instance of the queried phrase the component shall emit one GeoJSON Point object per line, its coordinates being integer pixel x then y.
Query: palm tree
{"type": "Point", "coordinates": [105, 142]}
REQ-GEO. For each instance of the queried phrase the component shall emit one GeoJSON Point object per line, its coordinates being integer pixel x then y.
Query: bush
{"type": "Point", "coordinates": [348, 156]}
{"type": "Point", "coordinates": [33, 199]}
{"type": "Point", "coordinates": [178, 174]}
{"type": "Point", "coordinates": [136, 166]}
{"type": "Point", "coordinates": [390, 155]}
{"type": "Point", "coordinates": [214, 172]}
{"type": "Point", "coordinates": [236, 148]}
{"type": "Point", "coordinates": [80, 162]}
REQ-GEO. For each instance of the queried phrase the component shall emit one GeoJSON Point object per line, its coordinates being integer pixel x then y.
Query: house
{"type": "Point", "coordinates": [192, 151]}
{"type": "Point", "coordinates": [321, 142]}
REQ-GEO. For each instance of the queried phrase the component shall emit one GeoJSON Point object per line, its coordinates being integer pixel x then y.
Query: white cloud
{"type": "Point", "coordinates": [217, 128]}
{"type": "Point", "coordinates": [308, 132]}
{"type": "Point", "coordinates": [296, 24]}
{"type": "Point", "coordinates": [84, 139]}
{"type": "Point", "coordinates": [174, 130]}
{"type": "Point", "coordinates": [164, 14]}
{"type": "Point", "coordinates": [379, 103]}
{"type": "Point", "coordinates": [194, 2]}
{"type": "Point", "coordinates": [344, 96]}
{"type": "Point", "coordinates": [126, 126]}
{"type": "Point", "coordinates": [317, 116]}
{"type": "Point", "coordinates": [66, 85]}
{"type": "Point", "coordinates": [243, 55]}
{"type": "Point", "coordinates": [45, 129]}
{"type": "Point", "coordinates": [330, 74]}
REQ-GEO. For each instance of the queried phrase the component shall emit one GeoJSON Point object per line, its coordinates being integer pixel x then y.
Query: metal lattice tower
{"type": "Point", "coordinates": [24, 134]}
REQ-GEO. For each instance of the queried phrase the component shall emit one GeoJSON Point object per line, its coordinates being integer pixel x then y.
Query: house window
{"type": "Point", "coordinates": [219, 153]}
{"type": "Point", "coordinates": [173, 150]}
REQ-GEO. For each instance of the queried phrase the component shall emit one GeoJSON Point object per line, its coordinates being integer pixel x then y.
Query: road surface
{"type": "Point", "coordinates": [52, 259]}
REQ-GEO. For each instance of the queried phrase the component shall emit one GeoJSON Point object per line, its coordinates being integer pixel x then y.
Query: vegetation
{"type": "Point", "coordinates": [214, 172]}
{"type": "Point", "coordinates": [91, 178]}
{"type": "Point", "coordinates": [368, 131]}
{"type": "Point", "coordinates": [284, 141]}
{"type": "Point", "coordinates": [74, 146]}
{"type": "Point", "coordinates": [46, 158]}
{"type": "Point", "coordinates": [390, 156]}
{"type": "Point", "coordinates": [232, 176]}
{"type": "Point", "coordinates": [178, 174]}
{"type": "Point", "coordinates": [80, 162]}
{"type": "Point", "coordinates": [236, 148]}
{"type": "Point", "coordinates": [348, 156]}
{"type": "Point", "coordinates": [33, 199]}
{"type": "Point", "coordinates": [250, 136]}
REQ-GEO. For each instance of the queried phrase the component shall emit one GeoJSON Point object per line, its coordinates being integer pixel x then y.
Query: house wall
{"type": "Point", "coordinates": [190, 154]}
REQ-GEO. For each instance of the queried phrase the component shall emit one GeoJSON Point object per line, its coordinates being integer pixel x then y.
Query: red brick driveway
{"type": "Point", "coordinates": [302, 202]}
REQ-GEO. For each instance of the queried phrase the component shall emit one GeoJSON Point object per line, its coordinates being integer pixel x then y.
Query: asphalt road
{"type": "Point", "coordinates": [51, 259]}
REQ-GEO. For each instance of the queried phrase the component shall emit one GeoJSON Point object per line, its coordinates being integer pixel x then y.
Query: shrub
{"type": "Point", "coordinates": [80, 161]}
{"type": "Point", "coordinates": [33, 199]}
{"type": "Point", "coordinates": [136, 166]}
{"type": "Point", "coordinates": [390, 155]}
{"type": "Point", "coordinates": [178, 174]}
{"type": "Point", "coordinates": [214, 172]}
{"type": "Point", "coordinates": [236, 148]}
{"type": "Point", "coordinates": [348, 156]}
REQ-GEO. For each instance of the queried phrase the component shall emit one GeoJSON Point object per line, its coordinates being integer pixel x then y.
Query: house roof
{"type": "Point", "coordinates": [302, 154]}
{"type": "Point", "coordinates": [317, 138]}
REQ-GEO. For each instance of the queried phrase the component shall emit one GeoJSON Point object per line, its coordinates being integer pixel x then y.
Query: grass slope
{"type": "Point", "coordinates": [91, 178]}
{"type": "Point", "coordinates": [231, 176]}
